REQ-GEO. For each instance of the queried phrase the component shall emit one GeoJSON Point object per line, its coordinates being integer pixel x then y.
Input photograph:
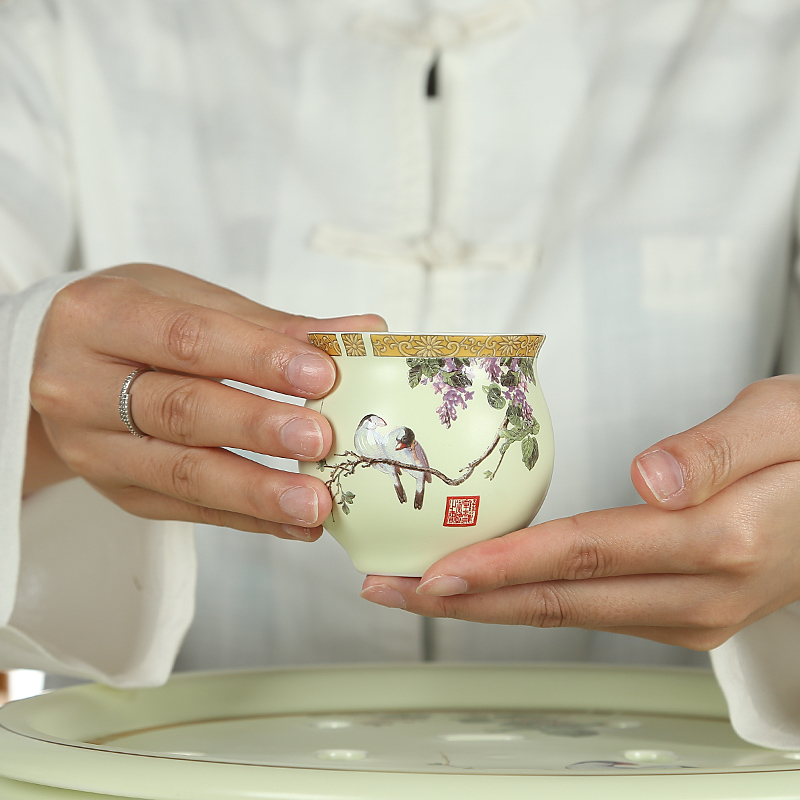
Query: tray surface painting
{"type": "Point", "coordinates": [389, 732]}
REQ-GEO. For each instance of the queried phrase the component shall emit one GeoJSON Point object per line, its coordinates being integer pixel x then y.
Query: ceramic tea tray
{"type": "Point", "coordinates": [390, 732]}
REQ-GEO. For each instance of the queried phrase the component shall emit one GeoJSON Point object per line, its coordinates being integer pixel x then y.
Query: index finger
{"type": "Point", "coordinates": [183, 286]}
{"type": "Point", "coordinates": [636, 540]}
{"type": "Point", "coordinates": [121, 318]}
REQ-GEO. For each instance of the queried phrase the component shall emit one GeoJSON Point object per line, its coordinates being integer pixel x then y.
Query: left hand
{"type": "Point", "coordinates": [715, 548]}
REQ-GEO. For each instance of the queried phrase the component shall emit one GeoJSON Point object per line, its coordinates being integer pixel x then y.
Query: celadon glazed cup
{"type": "Point", "coordinates": [440, 441]}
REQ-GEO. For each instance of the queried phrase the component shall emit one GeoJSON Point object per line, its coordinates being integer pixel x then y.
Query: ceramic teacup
{"type": "Point", "coordinates": [440, 441]}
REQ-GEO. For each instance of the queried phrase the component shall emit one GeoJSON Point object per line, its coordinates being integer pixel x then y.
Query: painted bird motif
{"type": "Point", "coordinates": [370, 443]}
{"type": "Point", "coordinates": [408, 450]}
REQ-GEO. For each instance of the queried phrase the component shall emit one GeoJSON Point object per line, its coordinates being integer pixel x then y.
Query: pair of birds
{"type": "Point", "coordinates": [401, 445]}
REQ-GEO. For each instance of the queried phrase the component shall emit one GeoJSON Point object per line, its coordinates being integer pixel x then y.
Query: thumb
{"type": "Point", "coordinates": [759, 428]}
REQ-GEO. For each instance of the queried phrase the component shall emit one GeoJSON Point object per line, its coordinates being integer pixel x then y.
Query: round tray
{"type": "Point", "coordinates": [390, 732]}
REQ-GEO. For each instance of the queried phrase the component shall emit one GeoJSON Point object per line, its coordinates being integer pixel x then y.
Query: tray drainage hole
{"type": "Point", "coordinates": [332, 724]}
{"type": "Point", "coordinates": [481, 737]}
{"type": "Point", "coordinates": [341, 755]}
{"type": "Point", "coordinates": [624, 724]}
{"type": "Point", "coordinates": [650, 756]}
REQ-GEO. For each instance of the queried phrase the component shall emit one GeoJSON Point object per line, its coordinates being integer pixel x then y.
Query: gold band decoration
{"type": "Point", "coordinates": [326, 342]}
{"type": "Point", "coordinates": [354, 344]}
{"type": "Point", "coordinates": [420, 345]}
{"type": "Point", "coordinates": [446, 346]}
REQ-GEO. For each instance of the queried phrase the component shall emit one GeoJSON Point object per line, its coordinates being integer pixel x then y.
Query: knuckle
{"type": "Point", "coordinates": [782, 394]}
{"type": "Point", "coordinates": [89, 296]}
{"type": "Point", "coordinates": [278, 359]}
{"type": "Point", "coordinates": [185, 476]}
{"type": "Point", "coordinates": [49, 395]}
{"type": "Point", "coordinates": [259, 489]}
{"type": "Point", "coordinates": [715, 615]}
{"type": "Point", "coordinates": [132, 499]}
{"type": "Point", "coordinates": [135, 499]}
{"type": "Point", "coordinates": [588, 558]}
{"type": "Point", "coordinates": [548, 607]}
{"type": "Point", "coordinates": [178, 409]}
{"type": "Point", "coordinates": [184, 337]}
{"type": "Point", "coordinates": [704, 640]}
{"type": "Point", "coordinates": [210, 516]}
{"type": "Point", "coordinates": [697, 616]}
{"type": "Point", "coordinates": [253, 494]}
{"type": "Point", "coordinates": [255, 429]}
{"type": "Point", "coordinates": [73, 298]}
{"type": "Point", "coordinates": [76, 455]}
{"type": "Point", "coordinates": [451, 608]}
{"type": "Point", "coordinates": [779, 391]}
{"type": "Point", "coordinates": [734, 551]}
{"type": "Point", "coordinates": [741, 556]}
{"type": "Point", "coordinates": [717, 454]}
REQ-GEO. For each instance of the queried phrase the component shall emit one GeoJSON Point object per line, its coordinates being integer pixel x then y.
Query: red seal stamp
{"type": "Point", "coordinates": [461, 512]}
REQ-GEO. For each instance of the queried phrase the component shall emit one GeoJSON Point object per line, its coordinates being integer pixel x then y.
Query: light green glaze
{"type": "Point", "coordinates": [243, 726]}
{"type": "Point", "coordinates": [385, 536]}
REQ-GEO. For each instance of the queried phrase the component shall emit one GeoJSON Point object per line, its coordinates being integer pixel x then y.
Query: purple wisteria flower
{"type": "Point", "coordinates": [508, 380]}
{"type": "Point", "coordinates": [491, 366]}
{"type": "Point", "coordinates": [452, 400]}
{"type": "Point", "coordinates": [514, 388]}
{"type": "Point", "coordinates": [453, 383]}
{"type": "Point", "coordinates": [516, 397]}
{"type": "Point", "coordinates": [453, 378]}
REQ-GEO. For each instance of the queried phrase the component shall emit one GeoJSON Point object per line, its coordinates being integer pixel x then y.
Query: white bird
{"type": "Point", "coordinates": [370, 443]}
{"type": "Point", "coordinates": [409, 451]}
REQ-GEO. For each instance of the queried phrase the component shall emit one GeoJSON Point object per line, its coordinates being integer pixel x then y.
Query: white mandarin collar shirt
{"type": "Point", "coordinates": [618, 175]}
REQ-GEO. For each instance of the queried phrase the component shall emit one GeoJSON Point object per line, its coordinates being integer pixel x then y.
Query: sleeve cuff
{"type": "Point", "coordinates": [757, 670]}
{"type": "Point", "coordinates": [101, 594]}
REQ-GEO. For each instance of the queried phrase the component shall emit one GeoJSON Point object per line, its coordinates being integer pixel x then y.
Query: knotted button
{"type": "Point", "coordinates": [440, 249]}
{"type": "Point", "coordinates": [440, 31]}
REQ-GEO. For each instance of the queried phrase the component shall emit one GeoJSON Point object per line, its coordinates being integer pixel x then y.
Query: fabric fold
{"type": "Point", "coordinates": [136, 576]}
{"type": "Point", "coordinates": [21, 315]}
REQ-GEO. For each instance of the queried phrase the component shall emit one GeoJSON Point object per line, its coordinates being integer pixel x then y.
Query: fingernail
{"type": "Point", "coordinates": [384, 596]}
{"type": "Point", "coordinates": [443, 586]}
{"type": "Point", "coordinates": [310, 374]}
{"type": "Point", "coordinates": [300, 503]}
{"type": "Point", "coordinates": [662, 474]}
{"type": "Point", "coordinates": [296, 532]}
{"type": "Point", "coordinates": [303, 437]}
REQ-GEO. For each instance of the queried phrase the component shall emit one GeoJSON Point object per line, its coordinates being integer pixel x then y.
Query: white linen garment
{"type": "Point", "coordinates": [619, 175]}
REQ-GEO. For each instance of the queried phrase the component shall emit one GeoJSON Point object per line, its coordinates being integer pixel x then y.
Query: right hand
{"type": "Point", "coordinates": [101, 328]}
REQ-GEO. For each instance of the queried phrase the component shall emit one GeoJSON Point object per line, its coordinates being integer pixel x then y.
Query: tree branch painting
{"type": "Point", "coordinates": [505, 387]}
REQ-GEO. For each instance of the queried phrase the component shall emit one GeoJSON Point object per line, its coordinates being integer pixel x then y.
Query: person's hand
{"type": "Point", "coordinates": [716, 547]}
{"type": "Point", "coordinates": [101, 328]}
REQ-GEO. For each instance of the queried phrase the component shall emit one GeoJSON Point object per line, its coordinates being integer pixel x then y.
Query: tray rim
{"type": "Point", "coordinates": [32, 755]}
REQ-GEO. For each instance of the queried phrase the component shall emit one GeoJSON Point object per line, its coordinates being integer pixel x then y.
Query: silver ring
{"type": "Point", "coordinates": [125, 401]}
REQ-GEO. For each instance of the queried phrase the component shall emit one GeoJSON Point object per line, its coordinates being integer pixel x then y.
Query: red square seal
{"type": "Point", "coordinates": [461, 512]}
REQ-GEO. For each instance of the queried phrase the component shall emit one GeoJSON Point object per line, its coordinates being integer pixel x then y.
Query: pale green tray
{"type": "Point", "coordinates": [390, 732]}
